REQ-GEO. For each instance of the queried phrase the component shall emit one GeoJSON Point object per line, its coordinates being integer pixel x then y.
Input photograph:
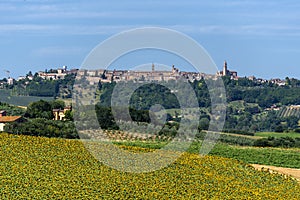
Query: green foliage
{"type": "Point", "coordinates": [105, 118]}
{"type": "Point", "coordinates": [229, 139]}
{"type": "Point", "coordinates": [43, 109]}
{"type": "Point", "coordinates": [204, 124]}
{"type": "Point", "coordinates": [284, 142]}
{"type": "Point", "coordinates": [39, 109]}
{"type": "Point", "coordinates": [12, 110]}
{"type": "Point", "coordinates": [240, 132]}
{"type": "Point", "coordinates": [252, 155]}
{"type": "Point", "coordinates": [277, 135]}
{"type": "Point", "coordinates": [247, 101]}
{"type": "Point", "coordinates": [69, 115]}
{"type": "Point", "coordinates": [57, 104]}
{"type": "Point", "coordinates": [10, 97]}
{"type": "Point", "coordinates": [44, 88]}
{"type": "Point", "coordinates": [264, 156]}
{"type": "Point", "coordinates": [44, 128]}
{"type": "Point", "coordinates": [143, 98]}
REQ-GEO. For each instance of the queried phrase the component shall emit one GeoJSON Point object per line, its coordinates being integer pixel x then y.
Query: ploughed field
{"type": "Point", "coordinates": [43, 168]}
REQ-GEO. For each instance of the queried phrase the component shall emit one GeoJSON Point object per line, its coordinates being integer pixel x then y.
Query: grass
{"type": "Point", "coordinates": [265, 156]}
{"type": "Point", "coordinates": [228, 147]}
{"type": "Point", "coordinates": [278, 135]}
{"type": "Point", "coordinates": [7, 97]}
{"type": "Point", "coordinates": [252, 155]}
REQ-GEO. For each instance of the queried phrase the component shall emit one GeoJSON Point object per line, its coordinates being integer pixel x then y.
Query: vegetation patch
{"type": "Point", "coordinates": [36, 167]}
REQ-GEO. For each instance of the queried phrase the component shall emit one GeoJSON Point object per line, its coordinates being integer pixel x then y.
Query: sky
{"type": "Point", "coordinates": [260, 38]}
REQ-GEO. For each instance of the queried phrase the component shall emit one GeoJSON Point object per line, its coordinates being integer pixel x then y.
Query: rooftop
{"type": "Point", "coordinates": [6, 119]}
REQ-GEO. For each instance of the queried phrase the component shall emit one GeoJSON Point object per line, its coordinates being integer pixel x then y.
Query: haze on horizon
{"type": "Point", "coordinates": [258, 38]}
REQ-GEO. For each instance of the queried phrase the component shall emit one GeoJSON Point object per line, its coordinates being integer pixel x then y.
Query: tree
{"type": "Point", "coordinates": [292, 122]}
{"type": "Point", "coordinates": [203, 124]}
{"type": "Point", "coordinates": [69, 115]}
{"type": "Point", "coordinates": [57, 104]}
{"type": "Point", "coordinates": [29, 74]}
{"type": "Point", "coordinates": [287, 81]}
{"type": "Point", "coordinates": [279, 129]}
{"type": "Point", "coordinates": [39, 109]}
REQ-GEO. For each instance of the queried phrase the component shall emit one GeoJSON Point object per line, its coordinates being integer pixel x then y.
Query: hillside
{"type": "Point", "coordinates": [35, 167]}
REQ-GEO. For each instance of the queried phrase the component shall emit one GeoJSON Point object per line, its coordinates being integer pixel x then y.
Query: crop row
{"type": "Point", "coordinates": [49, 168]}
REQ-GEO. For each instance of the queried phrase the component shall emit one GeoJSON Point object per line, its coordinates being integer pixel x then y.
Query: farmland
{"type": "Point", "coordinates": [47, 168]}
{"type": "Point", "coordinates": [8, 97]}
{"type": "Point", "coordinates": [281, 157]}
{"type": "Point", "coordinates": [289, 111]}
{"type": "Point", "coordinates": [267, 156]}
{"type": "Point", "coordinates": [277, 135]}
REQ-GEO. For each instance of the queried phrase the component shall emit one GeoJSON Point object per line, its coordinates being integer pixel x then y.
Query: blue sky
{"type": "Point", "coordinates": [260, 38]}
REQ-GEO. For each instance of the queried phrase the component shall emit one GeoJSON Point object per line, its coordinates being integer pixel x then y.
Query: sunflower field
{"type": "Point", "coordinates": [51, 168]}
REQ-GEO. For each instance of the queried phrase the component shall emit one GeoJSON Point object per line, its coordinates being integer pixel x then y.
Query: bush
{"type": "Point", "coordinates": [44, 128]}
{"type": "Point", "coordinates": [285, 142]}
{"type": "Point", "coordinates": [297, 130]}
{"type": "Point", "coordinates": [229, 139]}
{"type": "Point", "coordinates": [279, 129]}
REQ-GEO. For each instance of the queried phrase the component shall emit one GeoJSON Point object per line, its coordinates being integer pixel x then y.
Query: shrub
{"type": "Point", "coordinates": [285, 142]}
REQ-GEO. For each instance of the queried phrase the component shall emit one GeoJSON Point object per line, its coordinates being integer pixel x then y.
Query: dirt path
{"type": "Point", "coordinates": [286, 171]}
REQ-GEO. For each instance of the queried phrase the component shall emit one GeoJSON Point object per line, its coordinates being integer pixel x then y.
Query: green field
{"type": "Point", "coordinates": [43, 168]}
{"type": "Point", "coordinates": [252, 155]}
{"type": "Point", "coordinates": [277, 135]}
{"type": "Point", "coordinates": [7, 97]}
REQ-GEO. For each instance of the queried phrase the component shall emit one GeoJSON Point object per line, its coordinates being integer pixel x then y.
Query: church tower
{"type": "Point", "coordinates": [225, 70]}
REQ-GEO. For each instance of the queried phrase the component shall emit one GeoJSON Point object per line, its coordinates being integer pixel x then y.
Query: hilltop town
{"type": "Point", "coordinates": [102, 75]}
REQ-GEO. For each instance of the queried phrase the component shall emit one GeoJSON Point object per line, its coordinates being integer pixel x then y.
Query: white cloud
{"type": "Point", "coordinates": [63, 30]}
{"type": "Point", "coordinates": [12, 28]}
{"type": "Point", "coordinates": [67, 14]}
{"type": "Point", "coordinates": [250, 30]}
{"type": "Point", "coordinates": [58, 51]}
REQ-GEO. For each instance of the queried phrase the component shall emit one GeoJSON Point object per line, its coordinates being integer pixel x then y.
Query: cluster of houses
{"type": "Point", "coordinates": [102, 75]}
{"type": "Point", "coordinates": [94, 76]}
{"type": "Point", "coordinates": [56, 74]}
{"type": "Point", "coordinates": [52, 74]}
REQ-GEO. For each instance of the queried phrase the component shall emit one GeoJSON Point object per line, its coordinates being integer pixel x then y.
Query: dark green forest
{"type": "Point", "coordinates": [250, 104]}
{"type": "Point", "coordinates": [248, 108]}
{"type": "Point", "coordinates": [43, 88]}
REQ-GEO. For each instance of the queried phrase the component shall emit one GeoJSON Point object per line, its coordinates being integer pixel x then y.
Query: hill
{"type": "Point", "coordinates": [47, 168]}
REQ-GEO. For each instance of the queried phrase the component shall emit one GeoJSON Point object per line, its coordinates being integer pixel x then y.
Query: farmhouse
{"type": "Point", "coordinates": [60, 114]}
{"type": "Point", "coordinates": [7, 119]}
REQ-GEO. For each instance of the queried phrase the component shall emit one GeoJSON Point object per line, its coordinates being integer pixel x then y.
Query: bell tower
{"type": "Point", "coordinates": [225, 70]}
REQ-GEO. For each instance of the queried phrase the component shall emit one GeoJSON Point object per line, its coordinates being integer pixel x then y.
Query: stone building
{"type": "Point", "coordinates": [60, 114]}
{"type": "Point", "coordinates": [226, 72]}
